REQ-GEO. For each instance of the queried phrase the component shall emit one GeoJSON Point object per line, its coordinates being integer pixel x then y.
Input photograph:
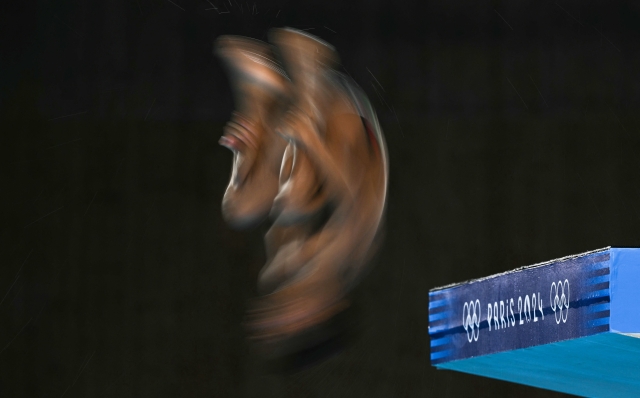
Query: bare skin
{"type": "Point", "coordinates": [309, 271]}
{"type": "Point", "coordinates": [315, 169]}
{"type": "Point", "coordinates": [308, 281]}
{"type": "Point", "coordinates": [254, 178]}
{"type": "Point", "coordinates": [257, 149]}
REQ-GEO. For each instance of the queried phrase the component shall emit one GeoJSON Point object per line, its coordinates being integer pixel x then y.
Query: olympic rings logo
{"type": "Point", "coordinates": [471, 320]}
{"type": "Point", "coordinates": [559, 299]}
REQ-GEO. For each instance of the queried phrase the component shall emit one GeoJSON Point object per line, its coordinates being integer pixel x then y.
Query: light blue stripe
{"type": "Point", "coordinates": [439, 315]}
{"type": "Point", "coordinates": [598, 293]}
{"type": "Point", "coordinates": [599, 307]}
{"type": "Point", "coordinates": [598, 322]}
{"type": "Point", "coordinates": [440, 354]}
{"type": "Point", "coordinates": [596, 266]}
{"type": "Point", "coordinates": [438, 303]}
{"type": "Point", "coordinates": [440, 341]}
{"type": "Point", "coordinates": [437, 329]}
{"type": "Point", "coordinates": [598, 279]}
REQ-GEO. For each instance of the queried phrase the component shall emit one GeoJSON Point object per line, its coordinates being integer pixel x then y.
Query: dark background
{"type": "Point", "coordinates": [513, 138]}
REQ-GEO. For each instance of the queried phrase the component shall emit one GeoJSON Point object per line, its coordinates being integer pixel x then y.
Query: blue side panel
{"type": "Point", "coordinates": [557, 301]}
{"type": "Point", "coordinates": [625, 290]}
{"type": "Point", "coordinates": [602, 365]}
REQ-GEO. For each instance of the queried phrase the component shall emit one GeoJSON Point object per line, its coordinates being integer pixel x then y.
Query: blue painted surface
{"type": "Point", "coordinates": [625, 290]}
{"type": "Point", "coordinates": [602, 365]}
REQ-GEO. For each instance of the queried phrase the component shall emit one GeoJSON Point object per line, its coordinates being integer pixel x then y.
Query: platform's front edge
{"type": "Point", "coordinates": [530, 307]}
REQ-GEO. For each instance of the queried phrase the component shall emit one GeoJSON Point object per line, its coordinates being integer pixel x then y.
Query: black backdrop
{"type": "Point", "coordinates": [512, 130]}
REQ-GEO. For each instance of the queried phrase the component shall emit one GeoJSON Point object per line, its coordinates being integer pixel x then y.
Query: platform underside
{"type": "Point", "coordinates": [601, 365]}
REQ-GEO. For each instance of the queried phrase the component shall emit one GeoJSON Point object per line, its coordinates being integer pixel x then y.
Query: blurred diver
{"type": "Point", "coordinates": [310, 154]}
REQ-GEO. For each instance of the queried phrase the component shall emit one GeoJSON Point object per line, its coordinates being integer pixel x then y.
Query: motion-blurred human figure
{"type": "Point", "coordinates": [329, 198]}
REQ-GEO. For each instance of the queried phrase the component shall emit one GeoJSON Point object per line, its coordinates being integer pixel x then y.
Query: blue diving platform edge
{"type": "Point", "coordinates": [570, 325]}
